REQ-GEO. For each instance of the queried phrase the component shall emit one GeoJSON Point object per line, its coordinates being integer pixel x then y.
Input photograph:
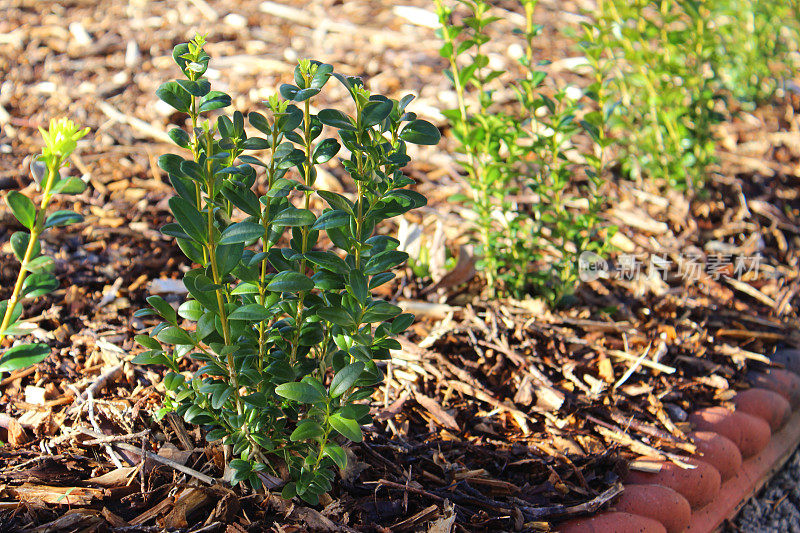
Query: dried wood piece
{"type": "Point", "coordinates": [119, 477]}
{"type": "Point", "coordinates": [186, 503]}
{"type": "Point", "coordinates": [72, 520]}
{"type": "Point", "coordinates": [444, 418]}
{"type": "Point", "coordinates": [741, 354]}
{"type": "Point", "coordinates": [425, 515]}
{"type": "Point", "coordinates": [519, 417]}
{"type": "Point", "coordinates": [749, 334]}
{"type": "Point", "coordinates": [750, 291]}
{"type": "Point", "coordinates": [177, 426]}
{"type": "Point", "coordinates": [639, 219]}
{"type": "Point", "coordinates": [152, 512]}
{"type": "Point", "coordinates": [73, 496]}
{"type": "Point", "coordinates": [136, 123]}
{"type": "Point", "coordinates": [432, 310]}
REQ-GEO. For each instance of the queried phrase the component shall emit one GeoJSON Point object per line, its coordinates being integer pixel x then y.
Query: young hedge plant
{"type": "Point", "coordinates": [667, 83]}
{"type": "Point", "coordinates": [510, 151]}
{"type": "Point", "coordinates": [757, 40]}
{"type": "Point", "coordinates": [35, 277]}
{"type": "Point", "coordinates": [287, 333]}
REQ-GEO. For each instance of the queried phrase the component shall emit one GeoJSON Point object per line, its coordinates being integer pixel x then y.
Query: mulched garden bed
{"type": "Point", "coordinates": [499, 415]}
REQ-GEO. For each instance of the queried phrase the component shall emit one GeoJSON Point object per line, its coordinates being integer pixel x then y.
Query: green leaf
{"type": "Point", "coordinates": [22, 208]}
{"type": "Point", "coordinates": [257, 400]}
{"type": "Point", "coordinates": [345, 378]}
{"type": "Point", "coordinates": [193, 170]}
{"type": "Point", "coordinates": [62, 218]}
{"type": "Point", "coordinates": [421, 132]}
{"type": "Point", "coordinates": [294, 217]}
{"type": "Point", "coordinates": [151, 357]}
{"type": "Point", "coordinates": [175, 335]}
{"type": "Point", "coordinates": [290, 120]}
{"type": "Point", "coordinates": [245, 288]}
{"type": "Point", "coordinates": [71, 185]}
{"type": "Point", "coordinates": [333, 218]}
{"type": "Point", "coordinates": [189, 218]}
{"type": "Point", "coordinates": [179, 137]}
{"type": "Point", "coordinates": [288, 90]}
{"type": "Point", "coordinates": [358, 286]}
{"type": "Point", "coordinates": [346, 427]}
{"type": "Point", "coordinates": [245, 231]}
{"type": "Point", "coordinates": [380, 311]}
{"type": "Point", "coordinates": [148, 342]}
{"type": "Point", "coordinates": [259, 122]}
{"type": "Point", "coordinates": [307, 429]}
{"type": "Point", "coordinates": [171, 164]}
{"type": "Point", "coordinates": [251, 313]}
{"type": "Point", "coordinates": [19, 243]}
{"type": "Point", "coordinates": [379, 279]}
{"type": "Point", "coordinates": [328, 261]}
{"type": "Point", "coordinates": [354, 411]}
{"type": "Point", "coordinates": [23, 356]}
{"type": "Point", "coordinates": [214, 100]}
{"type": "Point", "coordinates": [41, 263]}
{"type": "Point", "coordinates": [289, 491]}
{"type": "Point", "coordinates": [304, 94]}
{"type": "Point", "coordinates": [39, 284]}
{"type": "Point", "coordinates": [290, 282]}
{"type": "Point", "coordinates": [336, 119]}
{"type": "Point", "coordinates": [325, 151]}
{"type": "Point", "coordinates": [255, 143]}
{"type": "Point", "coordinates": [173, 380]}
{"type": "Point", "coordinates": [195, 88]}
{"type": "Point", "coordinates": [402, 323]}
{"type": "Point", "coordinates": [336, 315]}
{"type": "Point", "coordinates": [14, 316]}
{"type": "Point", "coordinates": [299, 392]}
{"type": "Point", "coordinates": [411, 198]}
{"type": "Point", "coordinates": [321, 76]}
{"type": "Point", "coordinates": [163, 308]}
{"type": "Point", "coordinates": [337, 201]}
{"type": "Point", "coordinates": [337, 454]}
{"type": "Point", "coordinates": [175, 95]}
{"type": "Point", "coordinates": [220, 396]}
{"type": "Point", "coordinates": [241, 470]}
{"type": "Point", "coordinates": [384, 261]}
{"type": "Point", "coordinates": [375, 111]}
{"type": "Point", "coordinates": [243, 198]}
{"type": "Point", "coordinates": [191, 310]}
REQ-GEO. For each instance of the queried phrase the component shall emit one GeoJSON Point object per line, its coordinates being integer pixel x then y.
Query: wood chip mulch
{"type": "Point", "coordinates": [496, 415]}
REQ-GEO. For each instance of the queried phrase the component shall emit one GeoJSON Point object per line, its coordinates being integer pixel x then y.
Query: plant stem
{"type": "Point", "coordinates": [304, 229]}
{"type": "Point", "coordinates": [52, 172]}
{"type": "Point", "coordinates": [474, 172]}
{"type": "Point", "coordinates": [262, 290]}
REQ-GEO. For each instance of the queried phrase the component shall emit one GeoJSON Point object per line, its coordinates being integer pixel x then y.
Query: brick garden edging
{"type": "Point", "coordinates": [738, 452]}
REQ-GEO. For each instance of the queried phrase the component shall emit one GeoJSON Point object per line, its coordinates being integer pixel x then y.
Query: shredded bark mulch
{"type": "Point", "coordinates": [496, 415]}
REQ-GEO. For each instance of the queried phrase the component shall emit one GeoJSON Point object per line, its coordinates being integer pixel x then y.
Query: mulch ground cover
{"type": "Point", "coordinates": [496, 415]}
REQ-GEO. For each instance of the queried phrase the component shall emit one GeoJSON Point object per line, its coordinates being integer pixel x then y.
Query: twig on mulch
{"type": "Point", "coordinates": [155, 457]}
{"type": "Point", "coordinates": [116, 438]}
{"type": "Point", "coordinates": [102, 380]}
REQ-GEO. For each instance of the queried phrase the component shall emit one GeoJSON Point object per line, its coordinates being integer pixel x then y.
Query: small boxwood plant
{"type": "Point", "coordinates": [510, 151]}
{"type": "Point", "coordinates": [286, 332]}
{"type": "Point", "coordinates": [667, 83]}
{"type": "Point", "coordinates": [35, 277]}
{"type": "Point", "coordinates": [755, 51]}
